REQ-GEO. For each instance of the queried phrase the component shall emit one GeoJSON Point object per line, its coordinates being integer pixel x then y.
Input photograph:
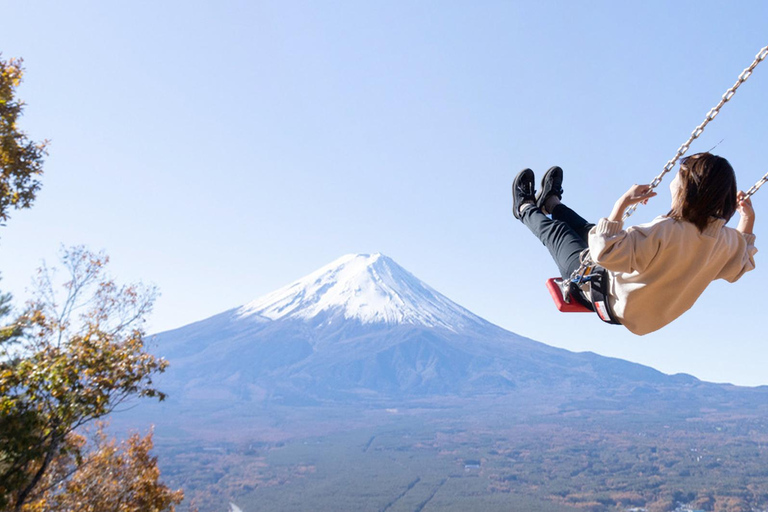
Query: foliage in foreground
{"type": "Point", "coordinates": [21, 160]}
{"type": "Point", "coordinates": [67, 360]}
{"type": "Point", "coordinates": [118, 477]}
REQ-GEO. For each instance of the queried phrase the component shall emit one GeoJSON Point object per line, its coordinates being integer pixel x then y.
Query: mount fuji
{"type": "Point", "coordinates": [369, 289]}
{"type": "Point", "coordinates": [364, 329]}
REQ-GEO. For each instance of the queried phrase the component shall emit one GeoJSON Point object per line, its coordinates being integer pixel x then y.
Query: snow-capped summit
{"type": "Point", "coordinates": [370, 288]}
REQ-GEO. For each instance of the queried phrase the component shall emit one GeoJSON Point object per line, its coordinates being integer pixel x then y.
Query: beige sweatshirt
{"type": "Point", "coordinates": [658, 270]}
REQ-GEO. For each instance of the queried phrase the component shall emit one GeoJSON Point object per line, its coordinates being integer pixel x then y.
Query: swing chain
{"type": "Point", "coordinates": [761, 55]}
{"type": "Point", "coordinates": [754, 188]}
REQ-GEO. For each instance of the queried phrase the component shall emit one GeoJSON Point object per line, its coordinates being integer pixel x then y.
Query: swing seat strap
{"type": "Point", "coordinates": [599, 294]}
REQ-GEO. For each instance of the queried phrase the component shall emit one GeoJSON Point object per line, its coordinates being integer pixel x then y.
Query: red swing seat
{"type": "Point", "coordinates": [572, 305]}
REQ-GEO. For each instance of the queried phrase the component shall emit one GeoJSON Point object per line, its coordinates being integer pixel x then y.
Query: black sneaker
{"type": "Point", "coordinates": [551, 185]}
{"type": "Point", "coordinates": [523, 191]}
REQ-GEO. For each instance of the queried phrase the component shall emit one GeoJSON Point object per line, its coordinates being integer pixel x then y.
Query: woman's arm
{"type": "Point", "coordinates": [744, 246]}
{"type": "Point", "coordinates": [635, 194]}
{"type": "Point", "coordinates": [624, 251]}
{"type": "Point", "coordinates": [747, 213]}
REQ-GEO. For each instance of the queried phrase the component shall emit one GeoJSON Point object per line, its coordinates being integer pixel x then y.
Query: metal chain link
{"type": "Point", "coordinates": [754, 188]}
{"type": "Point", "coordinates": [761, 55]}
{"type": "Point", "coordinates": [586, 261]}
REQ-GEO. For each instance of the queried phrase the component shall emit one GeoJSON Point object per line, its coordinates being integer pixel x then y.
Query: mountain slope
{"type": "Point", "coordinates": [363, 328]}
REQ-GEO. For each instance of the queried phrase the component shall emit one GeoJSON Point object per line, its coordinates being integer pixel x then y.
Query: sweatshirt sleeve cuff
{"type": "Point", "coordinates": [607, 227]}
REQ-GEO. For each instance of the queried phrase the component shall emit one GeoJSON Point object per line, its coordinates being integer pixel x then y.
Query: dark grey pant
{"type": "Point", "coordinates": [565, 235]}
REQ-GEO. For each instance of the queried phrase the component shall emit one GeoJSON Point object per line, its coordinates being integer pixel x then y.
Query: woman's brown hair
{"type": "Point", "coordinates": [707, 189]}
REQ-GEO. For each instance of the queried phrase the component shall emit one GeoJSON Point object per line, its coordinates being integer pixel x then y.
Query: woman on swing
{"type": "Point", "coordinates": [656, 271]}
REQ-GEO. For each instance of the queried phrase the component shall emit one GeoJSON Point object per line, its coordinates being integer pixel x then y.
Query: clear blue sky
{"type": "Point", "coordinates": [223, 149]}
